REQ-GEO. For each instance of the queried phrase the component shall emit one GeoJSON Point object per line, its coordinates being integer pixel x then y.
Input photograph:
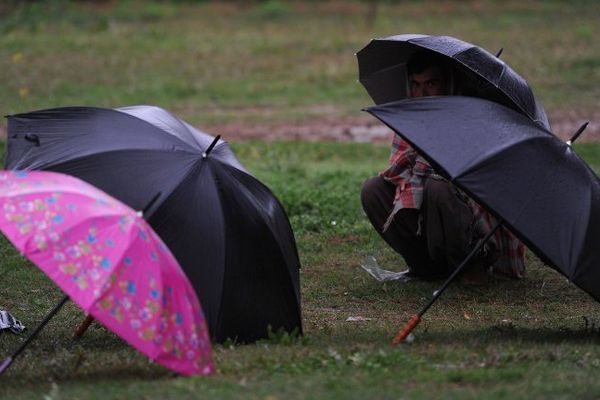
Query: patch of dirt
{"type": "Point", "coordinates": [346, 130]}
{"type": "Point", "coordinates": [337, 240]}
{"type": "Point", "coordinates": [565, 123]}
{"type": "Point", "coordinates": [366, 129]}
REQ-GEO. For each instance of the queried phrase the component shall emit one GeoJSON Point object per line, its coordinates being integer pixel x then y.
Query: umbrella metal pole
{"type": "Point", "coordinates": [211, 146]}
{"type": "Point", "coordinates": [415, 319]}
{"type": "Point", "coordinates": [8, 361]}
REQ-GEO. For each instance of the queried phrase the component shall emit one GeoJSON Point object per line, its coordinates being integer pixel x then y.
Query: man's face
{"type": "Point", "coordinates": [429, 82]}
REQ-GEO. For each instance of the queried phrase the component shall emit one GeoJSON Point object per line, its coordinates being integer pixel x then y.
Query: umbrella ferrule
{"type": "Point", "coordinates": [579, 132]}
{"type": "Point", "coordinates": [212, 145]}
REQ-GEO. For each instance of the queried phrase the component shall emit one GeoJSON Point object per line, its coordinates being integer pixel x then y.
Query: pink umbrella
{"type": "Point", "coordinates": [105, 257]}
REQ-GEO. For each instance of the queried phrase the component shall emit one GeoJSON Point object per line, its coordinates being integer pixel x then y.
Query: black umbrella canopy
{"type": "Point", "coordinates": [227, 230]}
{"type": "Point", "coordinates": [518, 170]}
{"type": "Point", "coordinates": [382, 71]}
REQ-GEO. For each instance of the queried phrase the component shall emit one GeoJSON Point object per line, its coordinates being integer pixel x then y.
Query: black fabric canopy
{"type": "Point", "coordinates": [227, 230]}
{"type": "Point", "coordinates": [515, 168]}
{"type": "Point", "coordinates": [477, 72]}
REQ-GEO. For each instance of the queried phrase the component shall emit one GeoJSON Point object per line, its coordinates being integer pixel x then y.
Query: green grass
{"type": "Point", "coordinates": [265, 62]}
{"type": "Point", "coordinates": [275, 61]}
{"type": "Point", "coordinates": [535, 338]}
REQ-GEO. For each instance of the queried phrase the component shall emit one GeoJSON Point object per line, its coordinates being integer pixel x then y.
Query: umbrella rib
{"type": "Point", "coordinates": [177, 120]}
{"type": "Point", "coordinates": [223, 241]}
{"type": "Point", "coordinates": [79, 157]}
{"type": "Point", "coordinates": [497, 151]}
{"type": "Point", "coordinates": [266, 222]}
{"type": "Point", "coordinates": [524, 206]}
{"type": "Point", "coordinates": [115, 266]}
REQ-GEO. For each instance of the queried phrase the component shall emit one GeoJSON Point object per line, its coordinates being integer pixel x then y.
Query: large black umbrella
{"type": "Point", "coordinates": [477, 72]}
{"type": "Point", "coordinates": [227, 230]}
{"type": "Point", "coordinates": [517, 170]}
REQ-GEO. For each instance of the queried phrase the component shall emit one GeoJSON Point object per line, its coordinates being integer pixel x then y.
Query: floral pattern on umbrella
{"type": "Point", "coordinates": [108, 260]}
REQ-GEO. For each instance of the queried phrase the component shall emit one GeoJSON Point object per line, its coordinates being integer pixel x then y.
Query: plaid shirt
{"type": "Point", "coordinates": [407, 171]}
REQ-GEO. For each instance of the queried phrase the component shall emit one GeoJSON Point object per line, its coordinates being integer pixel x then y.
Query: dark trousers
{"type": "Point", "coordinates": [445, 223]}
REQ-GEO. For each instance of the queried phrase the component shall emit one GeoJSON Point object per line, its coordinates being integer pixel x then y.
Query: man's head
{"type": "Point", "coordinates": [428, 75]}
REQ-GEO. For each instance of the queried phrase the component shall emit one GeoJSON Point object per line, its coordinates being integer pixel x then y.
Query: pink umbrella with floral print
{"type": "Point", "coordinates": [105, 257]}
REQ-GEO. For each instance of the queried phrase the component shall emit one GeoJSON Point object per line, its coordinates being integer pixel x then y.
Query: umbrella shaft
{"type": "Point", "coordinates": [40, 327]}
{"type": "Point", "coordinates": [439, 292]}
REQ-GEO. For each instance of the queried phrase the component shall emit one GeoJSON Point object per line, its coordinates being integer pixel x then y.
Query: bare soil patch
{"type": "Point", "coordinates": [368, 130]}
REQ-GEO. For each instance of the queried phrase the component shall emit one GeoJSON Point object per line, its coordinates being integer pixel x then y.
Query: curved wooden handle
{"type": "Point", "coordinates": [83, 326]}
{"type": "Point", "coordinates": [403, 333]}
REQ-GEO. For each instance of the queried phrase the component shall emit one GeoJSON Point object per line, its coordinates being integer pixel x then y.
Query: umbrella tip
{"type": "Point", "coordinates": [579, 132]}
{"type": "Point", "coordinates": [499, 52]}
{"type": "Point", "coordinates": [212, 145]}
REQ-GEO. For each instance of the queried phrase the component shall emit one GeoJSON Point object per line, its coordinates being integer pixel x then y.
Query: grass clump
{"type": "Point", "coordinates": [537, 337]}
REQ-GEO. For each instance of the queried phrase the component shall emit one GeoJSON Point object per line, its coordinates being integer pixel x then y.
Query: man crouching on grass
{"type": "Point", "coordinates": [427, 220]}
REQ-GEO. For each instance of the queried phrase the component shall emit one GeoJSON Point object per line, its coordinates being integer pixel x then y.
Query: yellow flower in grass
{"type": "Point", "coordinates": [23, 92]}
{"type": "Point", "coordinates": [17, 58]}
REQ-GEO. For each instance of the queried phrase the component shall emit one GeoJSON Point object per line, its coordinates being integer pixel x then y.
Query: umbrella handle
{"type": "Point", "coordinates": [414, 321]}
{"type": "Point", "coordinates": [83, 326]}
{"type": "Point", "coordinates": [404, 332]}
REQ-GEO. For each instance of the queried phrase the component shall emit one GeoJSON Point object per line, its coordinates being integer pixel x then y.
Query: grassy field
{"type": "Point", "coordinates": [217, 63]}
{"type": "Point", "coordinates": [225, 62]}
{"type": "Point", "coordinates": [534, 338]}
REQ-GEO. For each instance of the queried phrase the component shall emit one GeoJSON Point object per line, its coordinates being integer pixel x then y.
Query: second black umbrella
{"type": "Point", "coordinates": [520, 172]}
{"type": "Point", "coordinates": [228, 231]}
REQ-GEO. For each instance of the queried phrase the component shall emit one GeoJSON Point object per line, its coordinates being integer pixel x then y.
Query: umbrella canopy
{"type": "Point", "coordinates": [518, 170]}
{"type": "Point", "coordinates": [230, 234]}
{"type": "Point", "coordinates": [382, 71]}
{"type": "Point", "coordinates": [108, 261]}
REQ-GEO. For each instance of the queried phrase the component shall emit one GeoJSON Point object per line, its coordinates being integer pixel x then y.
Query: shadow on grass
{"type": "Point", "coordinates": [93, 374]}
{"type": "Point", "coordinates": [98, 356]}
{"type": "Point", "coordinates": [509, 333]}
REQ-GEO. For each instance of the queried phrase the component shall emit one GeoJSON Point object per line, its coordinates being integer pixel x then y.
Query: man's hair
{"type": "Point", "coordinates": [424, 59]}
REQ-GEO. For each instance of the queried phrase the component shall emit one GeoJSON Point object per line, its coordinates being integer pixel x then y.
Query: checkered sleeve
{"type": "Point", "coordinates": [406, 171]}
